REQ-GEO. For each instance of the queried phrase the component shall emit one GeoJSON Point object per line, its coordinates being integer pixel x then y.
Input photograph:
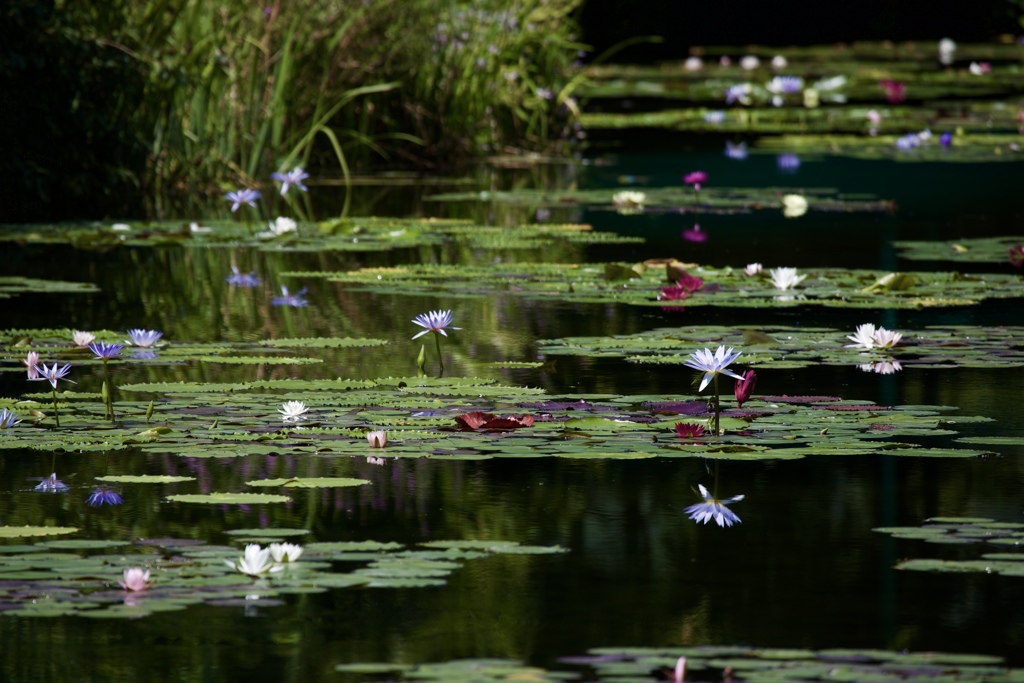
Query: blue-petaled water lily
{"type": "Point", "coordinates": [713, 508]}
{"type": "Point", "coordinates": [143, 338]}
{"type": "Point", "coordinates": [8, 419]}
{"type": "Point", "coordinates": [255, 561]}
{"type": "Point", "coordinates": [241, 279]}
{"type": "Point", "coordinates": [712, 364]}
{"type": "Point", "coordinates": [105, 351]}
{"type": "Point", "coordinates": [434, 321]}
{"type": "Point", "coordinates": [52, 373]}
{"type": "Point", "coordinates": [243, 196]}
{"type": "Point", "coordinates": [52, 485]}
{"type": "Point", "coordinates": [289, 178]}
{"type": "Point", "coordinates": [287, 299]}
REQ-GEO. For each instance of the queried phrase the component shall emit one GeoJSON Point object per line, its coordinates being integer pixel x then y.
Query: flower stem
{"type": "Point", "coordinates": [718, 408]}
{"type": "Point", "coordinates": [440, 359]}
{"type": "Point", "coordinates": [56, 414]}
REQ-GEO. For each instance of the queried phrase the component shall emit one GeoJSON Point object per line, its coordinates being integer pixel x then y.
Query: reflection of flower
{"type": "Point", "coordinates": [292, 177]}
{"type": "Point", "coordinates": [52, 374]}
{"type": "Point", "coordinates": [243, 196]}
{"type": "Point", "coordinates": [794, 205]}
{"type": "Point", "coordinates": [434, 321]}
{"type": "Point", "coordinates": [255, 561]}
{"type": "Point", "coordinates": [375, 461]}
{"type": "Point", "coordinates": [285, 552]}
{"type": "Point", "coordinates": [82, 339]}
{"type": "Point", "coordinates": [885, 367]}
{"type": "Point", "coordinates": [753, 269]}
{"type": "Point", "coordinates": [144, 338]}
{"type": "Point", "coordinates": [785, 278]}
{"type": "Point", "coordinates": [688, 430]}
{"type": "Point", "coordinates": [52, 485]}
{"type": "Point", "coordinates": [292, 411]}
{"type": "Point", "coordinates": [104, 495]}
{"type": "Point", "coordinates": [377, 438]}
{"type": "Point", "coordinates": [105, 351]}
{"type": "Point", "coordinates": [294, 300]}
{"type": "Point", "coordinates": [745, 387]}
{"type": "Point", "coordinates": [136, 579]}
{"type": "Point", "coordinates": [8, 419]}
{"type": "Point", "coordinates": [737, 151]}
{"type": "Point", "coordinates": [713, 508]}
{"type": "Point", "coordinates": [242, 279]}
{"type": "Point", "coordinates": [787, 163]}
{"type": "Point", "coordinates": [712, 364]}
{"type": "Point", "coordinates": [695, 235]}
{"type": "Point", "coordinates": [31, 361]}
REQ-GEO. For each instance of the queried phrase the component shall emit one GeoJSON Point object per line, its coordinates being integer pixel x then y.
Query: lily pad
{"type": "Point", "coordinates": [228, 498]}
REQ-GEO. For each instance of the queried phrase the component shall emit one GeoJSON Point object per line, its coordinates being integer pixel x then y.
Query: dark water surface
{"type": "Point", "coordinates": [802, 570]}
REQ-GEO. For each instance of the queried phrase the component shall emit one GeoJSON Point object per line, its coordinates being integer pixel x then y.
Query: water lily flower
{"type": "Point", "coordinates": [713, 508]}
{"type": "Point", "coordinates": [886, 339]}
{"type": "Point", "coordinates": [136, 580]}
{"type": "Point", "coordinates": [688, 430]}
{"type": "Point", "coordinates": [104, 495]}
{"type": "Point", "coordinates": [434, 321]}
{"type": "Point", "coordinates": [105, 351]}
{"type": "Point", "coordinates": [8, 419]}
{"type": "Point", "coordinates": [863, 337]}
{"type": "Point", "coordinates": [292, 411]}
{"type": "Point", "coordinates": [293, 300]}
{"type": "Point", "coordinates": [787, 163]}
{"type": "Point", "coordinates": [289, 178]}
{"type": "Point", "coordinates": [243, 196]}
{"type": "Point", "coordinates": [794, 205]}
{"type": "Point", "coordinates": [907, 142]}
{"type": "Point", "coordinates": [947, 51]}
{"type": "Point", "coordinates": [785, 278]}
{"type": "Point", "coordinates": [693, 64]}
{"type": "Point", "coordinates": [712, 364]}
{"type": "Point", "coordinates": [283, 225]}
{"type": "Point", "coordinates": [52, 485]}
{"type": "Point", "coordinates": [946, 139]}
{"type": "Point", "coordinates": [895, 92]}
{"type": "Point", "coordinates": [82, 339]}
{"type": "Point", "coordinates": [714, 117]}
{"type": "Point", "coordinates": [724, 61]}
{"type": "Point", "coordinates": [873, 117]}
{"type": "Point", "coordinates": [197, 229]}
{"type": "Point", "coordinates": [52, 374]}
{"type": "Point", "coordinates": [242, 279]}
{"type": "Point", "coordinates": [30, 361]}
{"type": "Point", "coordinates": [737, 151]}
{"type": "Point", "coordinates": [120, 227]}
{"type": "Point", "coordinates": [779, 62]}
{"type": "Point", "coordinates": [885, 367]}
{"type": "Point", "coordinates": [695, 178]}
{"type": "Point", "coordinates": [377, 438]}
{"type": "Point", "coordinates": [753, 269]}
{"type": "Point", "coordinates": [143, 338]}
{"type": "Point", "coordinates": [784, 85]}
{"type": "Point", "coordinates": [831, 83]}
{"type": "Point", "coordinates": [745, 387]}
{"type": "Point", "coordinates": [285, 552]}
{"type": "Point", "coordinates": [738, 93]}
{"type": "Point", "coordinates": [811, 98]}
{"type": "Point", "coordinates": [255, 561]}
{"type": "Point", "coordinates": [749, 63]}
{"type": "Point", "coordinates": [1017, 255]}
{"type": "Point", "coordinates": [629, 198]}
{"type": "Point", "coordinates": [695, 234]}
{"type": "Point", "coordinates": [979, 68]}
{"type": "Point", "coordinates": [673, 293]}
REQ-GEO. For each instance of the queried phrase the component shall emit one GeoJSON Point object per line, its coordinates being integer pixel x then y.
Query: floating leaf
{"type": "Point", "coordinates": [310, 482]}
{"type": "Point", "coordinates": [228, 498]}
{"type": "Point", "coordinates": [20, 531]}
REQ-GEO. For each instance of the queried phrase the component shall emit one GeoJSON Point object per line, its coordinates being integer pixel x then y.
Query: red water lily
{"type": "Point", "coordinates": [479, 420]}
{"type": "Point", "coordinates": [1017, 255]}
{"type": "Point", "coordinates": [688, 430]}
{"type": "Point", "coordinates": [745, 387]}
{"type": "Point", "coordinates": [895, 91]}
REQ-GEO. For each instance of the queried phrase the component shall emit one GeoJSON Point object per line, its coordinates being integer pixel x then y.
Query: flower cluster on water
{"type": "Point", "coordinates": [257, 561]}
{"type": "Point", "coordinates": [867, 336]}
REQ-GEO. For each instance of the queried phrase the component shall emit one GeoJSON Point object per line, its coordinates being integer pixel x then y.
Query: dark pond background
{"type": "Point", "coordinates": [802, 570]}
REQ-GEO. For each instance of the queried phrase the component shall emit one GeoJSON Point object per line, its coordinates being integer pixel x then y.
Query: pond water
{"type": "Point", "coordinates": [802, 570]}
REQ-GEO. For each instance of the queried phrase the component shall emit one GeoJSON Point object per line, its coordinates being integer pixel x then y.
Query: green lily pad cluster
{"type": "Point", "coordinates": [641, 285]}
{"type": "Point", "coordinates": [967, 250]}
{"type": "Point", "coordinates": [711, 662]}
{"type": "Point", "coordinates": [80, 577]}
{"type": "Point", "coordinates": [966, 531]}
{"type": "Point", "coordinates": [795, 347]}
{"type": "Point", "coordinates": [15, 286]}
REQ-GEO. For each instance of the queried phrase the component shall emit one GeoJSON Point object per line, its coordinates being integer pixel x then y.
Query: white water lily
{"type": "Point", "coordinates": [749, 63]}
{"type": "Point", "coordinates": [195, 228]}
{"type": "Point", "coordinates": [292, 411]}
{"type": "Point", "coordinates": [693, 64]}
{"type": "Point", "coordinates": [864, 337]}
{"type": "Point", "coordinates": [886, 339]}
{"type": "Point", "coordinates": [285, 552]}
{"type": "Point", "coordinates": [947, 51]}
{"type": "Point", "coordinates": [794, 205]}
{"type": "Point", "coordinates": [255, 561]}
{"type": "Point", "coordinates": [712, 364]}
{"type": "Point", "coordinates": [753, 269]}
{"type": "Point", "coordinates": [785, 278]}
{"type": "Point", "coordinates": [779, 62]}
{"type": "Point", "coordinates": [377, 438]}
{"type": "Point", "coordinates": [629, 199]}
{"type": "Point", "coordinates": [136, 579]}
{"type": "Point", "coordinates": [82, 339]}
{"type": "Point", "coordinates": [283, 225]}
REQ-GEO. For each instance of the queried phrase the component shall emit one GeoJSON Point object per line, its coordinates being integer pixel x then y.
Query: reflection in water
{"type": "Point", "coordinates": [884, 367]}
{"type": "Point", "coordinates": [714, 508]}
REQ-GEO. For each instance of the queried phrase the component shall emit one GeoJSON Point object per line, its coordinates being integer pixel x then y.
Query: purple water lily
{"type": "Point", "coordinates": [52, 485]}
{"type": "Point", "coordinates": [242, 279]}
{"type": "Point", "coordinates": [289, 178]}
{"type": "Point", "coordinates": [434, 321]}
{"type": "Point", "coordinates": [242, 196]}
{"type": "Point", "coordinates": [104, 495]}
{"type": "Point", "coordinates": [143, 338]}
{"type": "Point", "coordinates": [293, 300]}
{"type": "Point", "coordinates": [51, 374]}
{"type": "Point", "coordinates": [105, 351]}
